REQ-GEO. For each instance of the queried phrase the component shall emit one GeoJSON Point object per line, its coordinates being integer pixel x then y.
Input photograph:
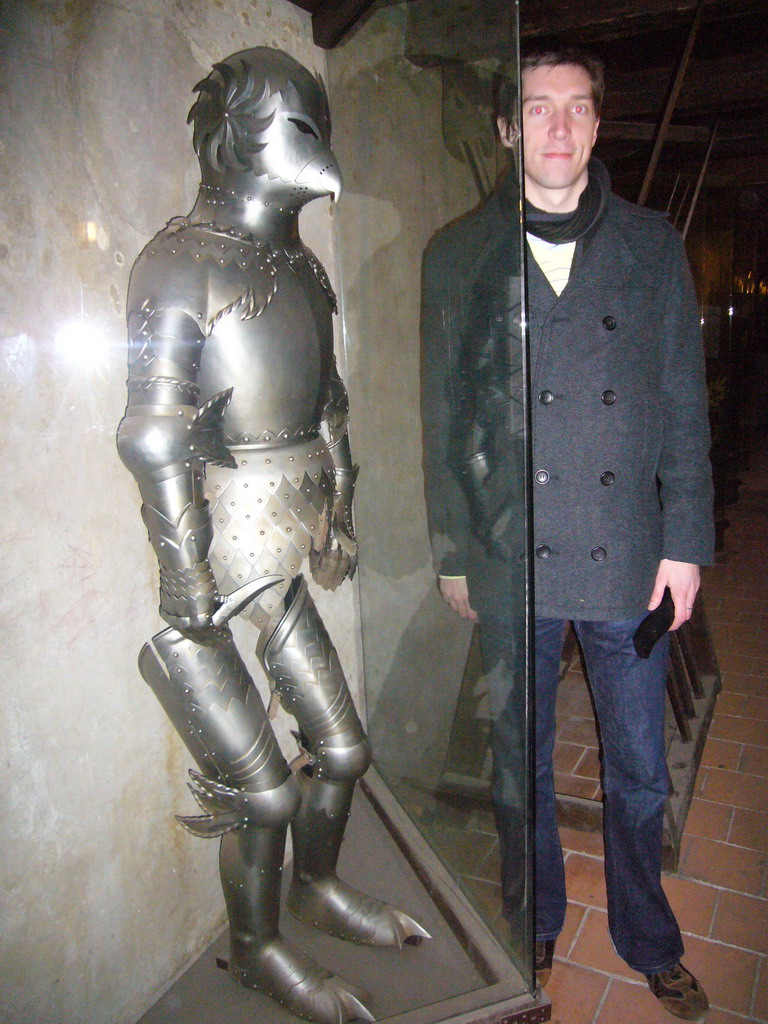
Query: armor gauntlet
{"type": "Point", "coordinates": [164, 440]}
{"type": "Point", "coordinates": [338, 558]}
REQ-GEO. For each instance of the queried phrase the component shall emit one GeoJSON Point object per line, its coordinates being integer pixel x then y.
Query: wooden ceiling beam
{"type": "Point", "coordinates": [674, 93]}
{"type": "Point", "coordinates": [643, 131]}
{"type": "Point", "coordinates": [714, 85]}
{"type": "Point", "coordinates": [737, 171]}
{"type": "Point", "coordinates": [332, 19]}
{"type": "Point", "coordinates": [612, 19]}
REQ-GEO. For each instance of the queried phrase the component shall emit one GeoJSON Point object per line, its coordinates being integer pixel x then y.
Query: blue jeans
{"type": "Point", "coordinates": [629, 695]}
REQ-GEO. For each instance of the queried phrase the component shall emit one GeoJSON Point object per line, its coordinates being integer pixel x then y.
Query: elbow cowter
{"type": "Point", "coordinates": [157, 443]}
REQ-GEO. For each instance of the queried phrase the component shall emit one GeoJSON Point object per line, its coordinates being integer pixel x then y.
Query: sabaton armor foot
{"type": "Point", "coordinates": [284, 973]}
{"type": "Point", "coordinates": [337, 908]}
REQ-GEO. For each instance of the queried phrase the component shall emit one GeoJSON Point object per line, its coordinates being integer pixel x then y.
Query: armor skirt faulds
{"type": "Point", "coordinates": [267, 516]}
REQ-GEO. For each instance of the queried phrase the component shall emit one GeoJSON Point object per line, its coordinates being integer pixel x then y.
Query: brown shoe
{"type": "Point", "coordinates": [545, 951]}
{"type": "Point", "coordinates": [678, 991]}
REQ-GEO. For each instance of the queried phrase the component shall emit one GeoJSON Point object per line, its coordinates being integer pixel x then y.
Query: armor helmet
{"type": "Point", "coordinates": [262, 125]}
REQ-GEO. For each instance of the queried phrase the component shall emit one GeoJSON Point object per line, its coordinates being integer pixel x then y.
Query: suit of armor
{"type": "Point", "coordinates": [235, 431]}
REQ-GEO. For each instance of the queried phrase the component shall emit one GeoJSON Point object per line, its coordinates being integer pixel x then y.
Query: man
{"type": "Point", "coordinates": [622, 489]}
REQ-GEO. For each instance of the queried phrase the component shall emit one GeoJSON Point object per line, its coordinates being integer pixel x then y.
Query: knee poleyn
{"type": "Point", "coordinates": [229, 808]}
{"type": "Point", "coordinates": [342, 763]}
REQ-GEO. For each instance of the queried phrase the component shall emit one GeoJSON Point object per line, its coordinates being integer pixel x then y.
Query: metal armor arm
{"type": "Point", "coordinates": [338, 558]}
{"type": "Point", "coordinates": [164, 439]}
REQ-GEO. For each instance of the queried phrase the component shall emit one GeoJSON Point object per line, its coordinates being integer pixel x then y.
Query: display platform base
{"type": "Point", "coordinates": [461, 976]}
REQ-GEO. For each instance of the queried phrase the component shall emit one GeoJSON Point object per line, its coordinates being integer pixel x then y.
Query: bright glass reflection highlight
{"type": "Point", "coordinates": [81, 342]}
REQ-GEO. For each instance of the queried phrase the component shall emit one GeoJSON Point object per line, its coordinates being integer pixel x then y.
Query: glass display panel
{"type": "Point", "coordinates": [430, 240]}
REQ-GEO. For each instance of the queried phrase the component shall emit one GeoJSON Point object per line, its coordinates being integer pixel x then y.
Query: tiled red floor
{"type": "Point", "coordinates": [720, 892]}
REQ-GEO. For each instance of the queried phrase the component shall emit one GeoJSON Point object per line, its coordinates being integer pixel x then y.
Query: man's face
{"type": "Point", "coordinates": [559, 130]}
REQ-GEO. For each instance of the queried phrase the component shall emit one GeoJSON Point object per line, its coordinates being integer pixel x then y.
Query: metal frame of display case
{"type": "Point", "coordinates": [499, 1002]}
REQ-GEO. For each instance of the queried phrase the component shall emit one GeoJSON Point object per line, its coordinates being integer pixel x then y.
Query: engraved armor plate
{"type": "Point", "coordinates": [267, 515]}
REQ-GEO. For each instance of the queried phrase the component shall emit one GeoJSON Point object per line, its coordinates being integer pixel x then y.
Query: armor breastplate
{"type": "Point", "coordinates": [265, 313]}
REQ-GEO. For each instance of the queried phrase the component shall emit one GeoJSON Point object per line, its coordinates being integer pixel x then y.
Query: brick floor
{"type": "Point", "coordinates": [719, 892]}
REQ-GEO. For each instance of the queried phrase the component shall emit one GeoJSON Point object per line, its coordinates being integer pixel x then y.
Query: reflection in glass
{"type": "Point", "coordinates": [437, 381]}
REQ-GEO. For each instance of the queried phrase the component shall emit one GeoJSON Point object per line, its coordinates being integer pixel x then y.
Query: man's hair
{"type": "Point", "coordinates": [570, 55]}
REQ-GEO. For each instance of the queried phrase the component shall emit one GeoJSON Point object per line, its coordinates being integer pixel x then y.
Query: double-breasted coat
{"type": "Point", "coordinates": [620, 475]}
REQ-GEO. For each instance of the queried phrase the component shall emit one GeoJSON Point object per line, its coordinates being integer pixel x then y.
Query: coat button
{"type": "Point", "coordinates": [543, 551]}
{"type": "Point", "coordinates": [546, 397]}
{"type": "Point", "coordinates": [607, 478]}
{"type": "Point", "coordinates": [609, 323]}
{"type": "Point", "coordinates": [608, 397]}
{"type": "Point", "coordinates": [542, 476]}
{"type": "Point", "coordinates": [598, 554]}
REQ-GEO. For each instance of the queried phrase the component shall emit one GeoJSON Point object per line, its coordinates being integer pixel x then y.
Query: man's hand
{"type": "Point", "coordinates": [683, 580]}
{"type": "Point", "coordinates": [455, 592]}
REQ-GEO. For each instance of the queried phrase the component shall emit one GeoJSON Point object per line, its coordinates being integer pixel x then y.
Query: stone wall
{"type": "Point", "coordinates": [401, 186]}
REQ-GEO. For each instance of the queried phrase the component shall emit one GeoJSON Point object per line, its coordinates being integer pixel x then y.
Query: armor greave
{"type": "Point", "coordinates": [309, 681]}
{"type": "Point", "coordinates": [251, 862]}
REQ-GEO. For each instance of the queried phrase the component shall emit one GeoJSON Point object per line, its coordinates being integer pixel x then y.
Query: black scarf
{"type": "Point", "coordinates": [567, 227]}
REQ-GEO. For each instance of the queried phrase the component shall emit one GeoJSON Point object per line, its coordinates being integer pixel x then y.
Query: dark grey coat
{"type": "Point", "coordinates": [620, 427]}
